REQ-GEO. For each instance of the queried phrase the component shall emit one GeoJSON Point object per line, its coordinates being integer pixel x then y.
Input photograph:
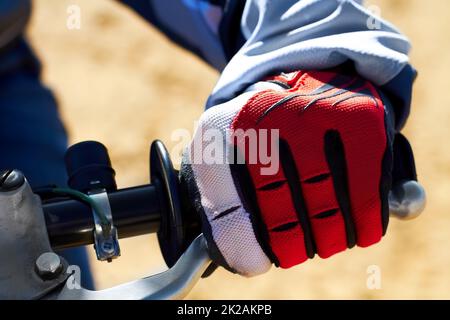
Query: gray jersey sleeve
{"type": "Point", "coordinates": [311, 34]}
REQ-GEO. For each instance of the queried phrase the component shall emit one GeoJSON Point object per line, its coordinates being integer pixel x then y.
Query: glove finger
{"type": "Point", "coordinates": [310, 180]}
{"type": "Point", "coordinates": [363, 146]}
{"type": "Point", "coordinates": [284, 223]}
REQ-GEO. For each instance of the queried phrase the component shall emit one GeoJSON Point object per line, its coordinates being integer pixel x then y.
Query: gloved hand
{"type": "Point", "coordinates": [325, 186]}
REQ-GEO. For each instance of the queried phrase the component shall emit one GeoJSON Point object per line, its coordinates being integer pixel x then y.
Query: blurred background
{"type": "Point", "coordinates": [120, 82]}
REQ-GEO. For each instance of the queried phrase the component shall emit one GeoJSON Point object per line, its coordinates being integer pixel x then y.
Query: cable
{"type": "Point", "coordinates": [84, 198]}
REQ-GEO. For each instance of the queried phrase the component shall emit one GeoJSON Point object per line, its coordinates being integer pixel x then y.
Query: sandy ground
{"type": "Point", "coordinates": [122, 83]}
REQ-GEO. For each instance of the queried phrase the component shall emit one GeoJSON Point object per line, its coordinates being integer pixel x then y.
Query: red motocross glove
{"type": "Point", "coordinates": [329, 191]}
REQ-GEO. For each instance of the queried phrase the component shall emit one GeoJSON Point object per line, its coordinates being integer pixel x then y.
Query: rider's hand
{"type": "Point", "coordinates": [325, 187]}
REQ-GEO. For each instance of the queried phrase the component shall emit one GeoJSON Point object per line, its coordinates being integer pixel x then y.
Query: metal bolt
{"type": "Point", "coordinates": [108, 246]}
{"type": "Point", "coordinates": [49, 265]}
{"type": "Point", "coordinates": [11, 180]}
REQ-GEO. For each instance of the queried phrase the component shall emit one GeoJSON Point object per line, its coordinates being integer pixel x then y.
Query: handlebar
{"type": "Point", "coordinates": [136, 211]}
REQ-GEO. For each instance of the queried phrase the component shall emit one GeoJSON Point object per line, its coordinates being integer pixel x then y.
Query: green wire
{"type": "Point", "coordinates": [85, 198]}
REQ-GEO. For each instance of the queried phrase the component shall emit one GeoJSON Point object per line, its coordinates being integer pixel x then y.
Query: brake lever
{"type": "Point", "coordinates": [174, 283]}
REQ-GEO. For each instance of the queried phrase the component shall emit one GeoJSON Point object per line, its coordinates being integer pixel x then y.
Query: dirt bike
{"type": "Point", "coordinates": [34, 223]}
